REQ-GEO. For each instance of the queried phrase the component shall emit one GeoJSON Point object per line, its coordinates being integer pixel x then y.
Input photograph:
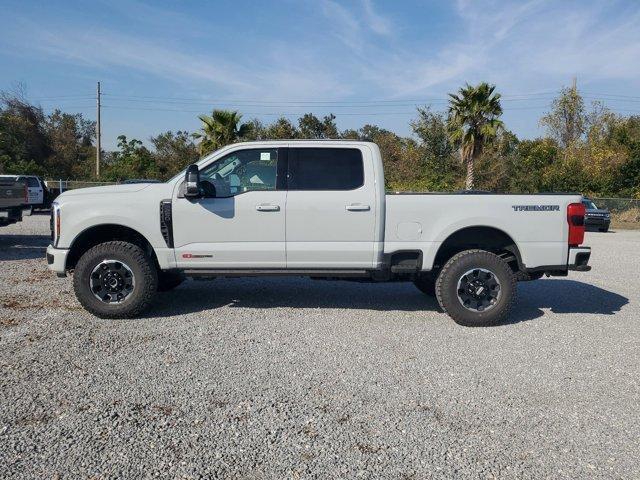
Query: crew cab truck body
{"type": "Point", "coordinates": [13, 198]}
{"type": "Point", "coordinates": [309, 208]}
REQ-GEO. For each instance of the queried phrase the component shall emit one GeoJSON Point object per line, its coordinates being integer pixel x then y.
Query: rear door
{"type": "Point", "coordinates": [331, 208]}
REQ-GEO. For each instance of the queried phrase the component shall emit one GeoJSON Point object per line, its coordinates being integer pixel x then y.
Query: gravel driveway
{"type": "Point", "coordinates": [295, 378]}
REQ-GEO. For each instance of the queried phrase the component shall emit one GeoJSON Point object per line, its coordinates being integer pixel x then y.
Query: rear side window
{"type": "Point", "coordinates": [325, 169]}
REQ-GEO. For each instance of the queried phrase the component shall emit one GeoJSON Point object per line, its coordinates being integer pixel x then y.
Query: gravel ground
{"type": "Point", "coordinates": [295, 378]}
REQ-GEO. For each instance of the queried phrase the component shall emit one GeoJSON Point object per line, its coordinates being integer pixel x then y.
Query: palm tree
{"type": "Point", "coordinates": [220, 129]}
{"type": "Point", "coordinates": [473, 121]}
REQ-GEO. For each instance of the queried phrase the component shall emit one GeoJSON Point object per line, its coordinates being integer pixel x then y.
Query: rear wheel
{"type": "Point", "coordinates": [476, 288]}
{"type": "Point", "coordinates": [115, 280]}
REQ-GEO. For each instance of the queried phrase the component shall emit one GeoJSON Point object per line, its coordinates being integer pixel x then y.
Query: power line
{"type": "Point", "coordinates": [302, 112]}
{"type": "Point", "coordinates": [183, 100]}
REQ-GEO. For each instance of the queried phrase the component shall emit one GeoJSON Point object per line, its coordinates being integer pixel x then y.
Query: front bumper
{"type": "Point", "coordinates": [579, 259]}
{"type": "Point", "coordinates": [57, 260]}
{"type": "Point", "coordinates": [597, 222]}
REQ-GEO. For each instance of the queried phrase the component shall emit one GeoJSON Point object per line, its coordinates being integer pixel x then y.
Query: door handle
{"type": "Point", "coordinates": [358, 208]}
{"type": "Point", "coordinates": [268, 208]}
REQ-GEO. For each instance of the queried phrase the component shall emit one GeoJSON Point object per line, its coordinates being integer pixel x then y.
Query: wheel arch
{"type": "Point", "coordinates": [106, 232]}
{"type": "Point", "coordinates": [480, 237]}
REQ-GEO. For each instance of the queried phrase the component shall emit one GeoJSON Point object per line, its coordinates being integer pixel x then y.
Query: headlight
{"type": "Point", "coordinates": [55, 223]}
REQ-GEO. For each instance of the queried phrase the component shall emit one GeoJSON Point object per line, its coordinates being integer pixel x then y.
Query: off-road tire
{"type": "Point", "coordinates": [169, 280]}
{"type": "Point", "coordinates": [447, 288]}
{"type": "Point", "coordinates": [426, 284]}
{"type": "Point", "coordinates": [144, 271]}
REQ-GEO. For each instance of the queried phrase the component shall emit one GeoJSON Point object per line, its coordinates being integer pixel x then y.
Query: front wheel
{"type": "Point", "coordinates": [476, 288]}
{"type": "Point", "coordinates": [115, 280]}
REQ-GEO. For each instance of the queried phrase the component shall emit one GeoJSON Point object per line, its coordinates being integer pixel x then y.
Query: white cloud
{"type": "Point", "coordinates": [276, 74]}
{"type": "Point", "coordinates": [376, 22]}
{"type": "Point", "coordinates": [351, 49]}
{"type": "Point", "coordinates": [522, 47]}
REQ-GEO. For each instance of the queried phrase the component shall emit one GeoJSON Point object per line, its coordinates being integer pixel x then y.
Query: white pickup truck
{"type": "Point", "coordinates": [309, 208]}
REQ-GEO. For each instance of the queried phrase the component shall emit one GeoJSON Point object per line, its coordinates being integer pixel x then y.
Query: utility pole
{"type": "Point", "coordinates": [98, 146]}
{"type": "Point", "coordinates": [575, 84]}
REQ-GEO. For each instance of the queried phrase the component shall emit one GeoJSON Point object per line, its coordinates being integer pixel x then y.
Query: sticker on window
{"type": "Point", "coordinates": [265, 156]}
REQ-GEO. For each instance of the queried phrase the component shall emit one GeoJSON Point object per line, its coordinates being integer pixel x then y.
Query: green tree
{"type": "Point", "coordinates": [532, 160]}
{"type": "Point", "coordinates": [567, 121]}
{"type": "Point", "coordinates": [70, 137]}
{"type": "Point", "coordinates": [472, 122]}
{"type": "Point", "coordinates": [440, 169]}
{"type": "Point", "coordinates": [24, 144]}
{"type": "Point", "coordinates": [132, 160]}
{"type": "Point", "coordinates": [173, 152]}
{"type": "Point", "coordinates": [495, 166]}
{"type": "Point", "coordinates": [310, 126]}
{"type": "Point", "coordinates": [281, 129]}
{"type": "Point", "coordinates": [221, 128]}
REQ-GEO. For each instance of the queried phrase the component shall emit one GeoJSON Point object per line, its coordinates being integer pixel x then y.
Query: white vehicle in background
{"type": "Point", "coordinates": [36, 190]}
{"type": "Point", "coordinates": [309, 208]}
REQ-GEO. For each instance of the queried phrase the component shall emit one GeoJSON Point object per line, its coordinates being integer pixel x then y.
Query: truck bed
{"type": "Point", "coordinates": [536, 223]}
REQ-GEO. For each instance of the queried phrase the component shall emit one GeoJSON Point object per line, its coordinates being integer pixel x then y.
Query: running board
{"type": "Point", "coordinates": [274, 272]}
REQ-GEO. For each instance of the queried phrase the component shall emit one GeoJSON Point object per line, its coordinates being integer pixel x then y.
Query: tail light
{"type": "Point", "coordinates": [575, 217]}
{"type": "Point", "coordinates": [26, 194]}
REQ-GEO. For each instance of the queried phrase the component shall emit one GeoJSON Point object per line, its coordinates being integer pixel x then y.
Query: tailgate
{"type": "Point", "coordinates": [12, 194]}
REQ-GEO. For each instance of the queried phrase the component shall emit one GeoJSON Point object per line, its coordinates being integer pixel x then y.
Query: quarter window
{"type": "Point", "coordinates": [325, 169]}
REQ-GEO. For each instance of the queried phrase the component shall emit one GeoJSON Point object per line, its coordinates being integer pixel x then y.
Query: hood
{"type": "Point", "coordinates": [108, 189]}
{"type": "Point", "coordinates": [599, 211]}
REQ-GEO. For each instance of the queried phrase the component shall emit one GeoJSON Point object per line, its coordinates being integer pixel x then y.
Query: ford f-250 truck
{"type": "Point", "coordinates": [309, 208]}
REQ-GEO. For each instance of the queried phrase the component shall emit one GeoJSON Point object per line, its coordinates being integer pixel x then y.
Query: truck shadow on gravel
{"type": "Point", "coordinates": [558, 295]}
{"type": "Point", "coordinates": [266, 293]}
{"type": "Point", "coordinates": [23, 247]}
{"type": "Point", "coordinates": [564, 296]}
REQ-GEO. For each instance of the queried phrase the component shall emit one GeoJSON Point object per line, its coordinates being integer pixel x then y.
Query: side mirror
{"type": "Point", "coordinates": [192, 182]}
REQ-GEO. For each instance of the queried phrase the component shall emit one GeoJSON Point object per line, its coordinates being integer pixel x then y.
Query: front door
{"type": "Point", "coordinates": [331, 208]}
{"type": "Point", "coordinates": [35, 191]}
{"type": "Point", "coordinates": [243, 225]}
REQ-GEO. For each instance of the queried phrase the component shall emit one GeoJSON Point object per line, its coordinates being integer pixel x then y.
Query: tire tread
{"type": "Point", "coordinates": [149, 279]}
{"type": "Point", "coordinates": [505, 309]}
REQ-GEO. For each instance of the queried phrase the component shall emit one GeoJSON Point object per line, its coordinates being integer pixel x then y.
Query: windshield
{"type": "Point", "coordinates": [589, 205]}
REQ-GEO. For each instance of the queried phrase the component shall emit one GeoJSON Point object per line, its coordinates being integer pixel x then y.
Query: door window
{"type": "Point", "coordinates": [33, 182]}
{"type": "Point", "coordinates": [243, 171]}
{"type": "Point", "coordinates": [325, 169]}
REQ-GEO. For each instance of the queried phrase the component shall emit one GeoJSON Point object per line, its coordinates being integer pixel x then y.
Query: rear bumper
{"type": "Point", "coordinates": [579, 259]}
{"type": "Point", "coordinates": [10, 215]}
{"type": "Point", "coordinates": [57, 260]}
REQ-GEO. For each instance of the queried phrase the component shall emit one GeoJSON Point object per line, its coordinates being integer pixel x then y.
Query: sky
{"type": "Point", "coordinates": [162, 63]}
